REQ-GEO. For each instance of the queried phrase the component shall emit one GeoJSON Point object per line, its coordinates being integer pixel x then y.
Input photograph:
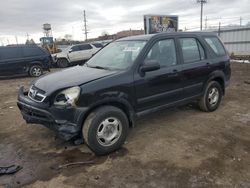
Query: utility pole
{"type": "Point", "coordinates": [85, 26]}
{"type": "Point", "coordinates": [28, 36]}
{"type": "Point", "coordinates": [201, 2]}
{"type": "Point", "coordinates": [206, 23]}
{"type": "Point", "coordinates": [16, 40]}
{"type": "Point", "coordinates": [219, 29]}
{"type": "Point", "coordinates": [240, 21]}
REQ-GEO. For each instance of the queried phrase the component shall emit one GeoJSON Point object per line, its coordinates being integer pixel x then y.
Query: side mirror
{"type": "Point", "coordinates": [150, 65]}
{"type": "Point", "coordinates": [70, 50]}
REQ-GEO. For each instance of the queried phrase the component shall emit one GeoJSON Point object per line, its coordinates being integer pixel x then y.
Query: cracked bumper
{"type": "Point", "coordinates": [65, 121]}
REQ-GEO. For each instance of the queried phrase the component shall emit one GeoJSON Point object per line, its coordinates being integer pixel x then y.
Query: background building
{"type": "Point", "coordinates": [236, 39]}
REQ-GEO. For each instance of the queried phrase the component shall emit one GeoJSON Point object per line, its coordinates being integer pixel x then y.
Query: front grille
{"type": "Point", "coordinates": [36, 94]}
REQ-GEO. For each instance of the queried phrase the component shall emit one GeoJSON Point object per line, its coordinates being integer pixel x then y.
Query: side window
{"type": "Point", "coordinates": [216, 45]}
{"type": "Point", "coordinates": [164, 52]}
{"type": "Point", "coordinates": [32, 52]}
{"type": "Point", "coordinates": [75, 48]}
{"type": "Point", "coordinates": [201, 50]}
{"type": "Point", "coordinates": [98, 45]}
{"type": "Point", "coordinates": [85, 47]}
{"type": "Point", "coordinates": [192, 50]}
{"type": "Point", "coordinates": [11, 53]}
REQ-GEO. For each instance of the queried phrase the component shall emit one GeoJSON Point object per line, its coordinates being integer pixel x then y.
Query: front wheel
{"type": "Point", "coordinates": [62, 63]}
{"type": "Point", "coordinates": [105, 129]}
{"type": "Point", "coordinates": [211, 98]}
{"type": "Point", "coordinates": [35, 71]}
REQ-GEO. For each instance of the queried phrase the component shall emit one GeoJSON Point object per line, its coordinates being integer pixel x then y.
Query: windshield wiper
{"type": "Point", "coordinates": [98, 67]}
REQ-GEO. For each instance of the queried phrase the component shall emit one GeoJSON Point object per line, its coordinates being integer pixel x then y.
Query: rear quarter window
{"type": "Point", "coordinates": [216, 45]}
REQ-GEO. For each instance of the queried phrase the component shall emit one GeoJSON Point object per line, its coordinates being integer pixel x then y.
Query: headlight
{"type": "Point", "coordinates": [67, 97]}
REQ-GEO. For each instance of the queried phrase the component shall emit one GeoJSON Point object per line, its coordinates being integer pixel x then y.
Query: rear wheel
{"type": "Point", "coordinates": [62, 63]}
{"type": "Point", "coordinates": [211, 98]}
{"type": "Point", "coordinates": [105, 129]}
{"type": "Point", "coordinates": [35, 71]}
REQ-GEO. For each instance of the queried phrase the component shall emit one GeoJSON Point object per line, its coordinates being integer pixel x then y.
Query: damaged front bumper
{"type": "Point", "coordinates": [65, 121]}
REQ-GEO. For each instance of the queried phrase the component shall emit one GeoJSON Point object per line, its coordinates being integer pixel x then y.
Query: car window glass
{"type": "Point", "coordinates": [10, 53]}
{"type": "Point", "coordinates": [163, 52]}
{"type": "Point", "coordinates": [98, 45]}
{"type": "Point", "coordinates": [85, 47]}
{"type": "Point", "coordinates": [117, 55]}
{"type": "Point", "coordinates": [75, 48]}
{"type": "Point", "coordinates": [190, 50]}
{"type": "Point", "coordinates": [29, 51]}
{"type": "Point", "coordinates": [216, 45]}
{"type": "Point", "coordinates": [201, 50]}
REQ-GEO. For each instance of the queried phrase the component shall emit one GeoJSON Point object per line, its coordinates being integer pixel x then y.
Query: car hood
{"type": "Point", "coordinates": [70, 77]}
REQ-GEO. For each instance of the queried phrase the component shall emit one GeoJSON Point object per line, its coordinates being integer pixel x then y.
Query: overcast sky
{"type": "Point", "coordinates": [19, 17]}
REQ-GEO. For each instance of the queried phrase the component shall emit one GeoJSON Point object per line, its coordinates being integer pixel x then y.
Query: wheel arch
{"type": "Point", "coordinates": [217, 76]}
{"type": "Point", "coordinates": [119, 103]}
{"type": "Point", "coordinates": [35, 63]}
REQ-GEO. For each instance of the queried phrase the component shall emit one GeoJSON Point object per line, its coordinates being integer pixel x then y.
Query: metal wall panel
{"type": "Point", "coordinates": [236, 40]}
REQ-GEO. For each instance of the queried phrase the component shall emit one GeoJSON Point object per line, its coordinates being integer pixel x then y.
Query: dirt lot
{"type": "Point", "coordinates": [180, 147]}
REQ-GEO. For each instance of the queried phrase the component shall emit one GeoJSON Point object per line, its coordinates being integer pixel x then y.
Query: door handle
{"type": "Point", "coordinates": [208, 65]}
{"type": "Point", "coordinates": [174, 73]}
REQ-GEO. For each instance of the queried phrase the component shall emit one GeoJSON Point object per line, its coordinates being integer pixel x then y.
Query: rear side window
{"type": "Point", "coordinates": [85, 47]}
{"type": "Point", "coordinates": [192, 50]}
{"type": "Point", "coordinates": [98, 45]}
{"type": "Point", "coordinates": [216, 45]}
{"type": "Point", "coordinates": [10, 53]}
{"type": "Point", "coordinates": [27, 52]}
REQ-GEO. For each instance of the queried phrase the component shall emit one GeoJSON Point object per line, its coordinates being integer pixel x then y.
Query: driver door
{"type": "Point", "coordinates": [163, 86]}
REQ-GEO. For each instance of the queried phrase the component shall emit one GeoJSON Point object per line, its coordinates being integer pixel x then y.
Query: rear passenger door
{"type": "Point", "coordinates": [195, 65]}
{"type": "Point", "coordinates": [162, 86]}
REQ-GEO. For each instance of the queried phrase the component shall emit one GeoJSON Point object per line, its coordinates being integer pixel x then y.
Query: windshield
{"type": "Point", "coordinates": [117, 55]}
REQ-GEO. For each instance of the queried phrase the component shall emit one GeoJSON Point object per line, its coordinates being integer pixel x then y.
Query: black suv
{"type": "Point", "coordinates": [129, 78]}
{"type": "Point", "coordinates": [21, 59]}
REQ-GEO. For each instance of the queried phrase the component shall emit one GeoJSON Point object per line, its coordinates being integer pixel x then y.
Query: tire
{"type": "Point", "coordinates": [102, 122]}
{"type": "Point", "coordinates": [211, 98]}
{"type": "Point", "coordinates": [62, 63]}
{"type": "Point", "coordinates": [35, 71]}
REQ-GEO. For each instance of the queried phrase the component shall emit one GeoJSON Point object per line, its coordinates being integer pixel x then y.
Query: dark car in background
{"type": "Point", "coordinates": [129, 78]}
{"type": "Point", "coordinates": [23, 59]}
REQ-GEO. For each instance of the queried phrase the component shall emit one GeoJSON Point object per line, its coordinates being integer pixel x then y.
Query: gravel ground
{"type": "Point", "coordinates": [179, 147]}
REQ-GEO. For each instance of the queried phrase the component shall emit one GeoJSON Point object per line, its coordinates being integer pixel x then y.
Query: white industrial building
{"type": "Point", "coordinates": [236, 39]}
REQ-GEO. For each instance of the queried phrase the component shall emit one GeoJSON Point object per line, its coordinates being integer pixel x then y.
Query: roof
{"type": "Point", "coordinates": [19, 45]}
{"type": "Point", "coordinates": [149, 36]}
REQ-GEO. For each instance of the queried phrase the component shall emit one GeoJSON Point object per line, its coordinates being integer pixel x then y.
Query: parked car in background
{"type": "Point", "coordinates": [76, 54]}
{"type": "Point", "coordinates": [20, 59]}
{"type": "Point", "coordinates": [127, 79]}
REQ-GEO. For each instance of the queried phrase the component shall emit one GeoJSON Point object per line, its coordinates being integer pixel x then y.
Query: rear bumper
{"type": "Point", "coordinates": [66, 121]}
